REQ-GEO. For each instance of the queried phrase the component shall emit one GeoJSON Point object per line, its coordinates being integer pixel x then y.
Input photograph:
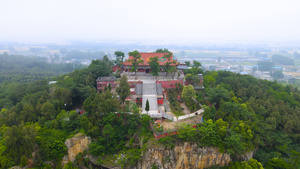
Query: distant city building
{"type": "Point", "coordinates": [277, 68]}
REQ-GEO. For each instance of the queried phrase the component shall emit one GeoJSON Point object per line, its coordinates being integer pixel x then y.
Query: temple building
{"type": "Point", "coordinates": [145, 67]}
{"type": "Point", "coordinates": [103, 82]}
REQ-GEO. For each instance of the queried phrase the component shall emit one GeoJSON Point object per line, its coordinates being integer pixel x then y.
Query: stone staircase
{"type": "Point", "coordinates": [149, 92]}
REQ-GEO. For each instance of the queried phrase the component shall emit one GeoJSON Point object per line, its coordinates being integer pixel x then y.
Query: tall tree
{"type": "Point", "coordinates": [123, 89]}
{"type": "Point", "coordinates": [48, 111]}
{"type": "Point", "coordinates": [89, 80]}
{"type": "Point", "coordinates": [153, 62]}
{"type": "Point", "coordinates": [28, 114]}
{"type": "Point", "coordinates": [135, 61]}
{"type": "Point", "coordinates": [147, 107]}
{"type": "Point", "coordinates": [187, 63]}
{"type": "Point", "coordinates": [188, 93]}
{"type": "Point", "coordinates": [120, 56]}
{"type": "Point", "coordinates": [196, 68]}
{"type": "Point", "coordinates": [19, 140]}
{"type": "Point", "coordinates": [167, 66]}
{"type": "Point", "coordinates": [215, 95]}
{"type": "Point", "coordinates": [99, 105]}
{"type": "Point", "coordinates": [107, 61]}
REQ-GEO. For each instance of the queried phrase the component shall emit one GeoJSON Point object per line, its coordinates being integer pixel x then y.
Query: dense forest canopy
{"type": "Point", "coordinates": [248, 114]}
{"type": "Point", "coordinates": [18, 68]}
{"type": "Point", "coordinates": [40, 115]}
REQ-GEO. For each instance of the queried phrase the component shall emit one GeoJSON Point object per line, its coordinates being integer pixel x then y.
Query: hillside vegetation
{"type": "Point", "coordinates": [242, 114]}
{"type": "Point", "coordinates": [248, 114]}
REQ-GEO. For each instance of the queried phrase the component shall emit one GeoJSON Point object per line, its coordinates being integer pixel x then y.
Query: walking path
{"type": "Point", "coordinates": [150, 94]}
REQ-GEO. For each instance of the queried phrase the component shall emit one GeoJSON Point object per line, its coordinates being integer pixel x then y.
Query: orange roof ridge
{"type": "Point", "coordinates": [145, 56]}
{"type": "Point", "coordinates": [154, 52]}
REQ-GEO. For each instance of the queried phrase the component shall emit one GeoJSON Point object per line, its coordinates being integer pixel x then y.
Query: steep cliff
{"type": "Point", "coordinates": [182, 156]}
{"type": "Point", "coordinates": [76, 145]}
{"type": "Point", "coordinates": [187, 155]}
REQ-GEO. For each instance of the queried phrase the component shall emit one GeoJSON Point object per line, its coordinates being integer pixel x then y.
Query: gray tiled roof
{"type": "Point", "coordinates": [139, 89]}
{"type": "Point", "coordinates": [159, 89]}
{"type": "Point", "coordinates": [104, 79]}
{"type": "Point", "coordinates": [182, 67]}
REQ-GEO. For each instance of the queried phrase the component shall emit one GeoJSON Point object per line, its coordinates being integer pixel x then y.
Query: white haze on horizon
{"type": "Point", "coordinates": [170, 20]}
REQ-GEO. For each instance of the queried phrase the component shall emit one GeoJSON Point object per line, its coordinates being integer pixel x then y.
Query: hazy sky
{"type": "Point", "coordinates": [41, 20]}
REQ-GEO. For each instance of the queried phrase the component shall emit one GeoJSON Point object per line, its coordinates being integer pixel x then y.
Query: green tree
{"type": "Point", "coordinates": [196, 68]}
{"type": "Point", "coordinates": [192, 79]}
{"type": "Point", "coordinates": [51, 144]}
{"type": "Point", "coordinates": [215, 95]}
{"type": "Point", "coordinates": [251, 164]}
{"type": "Point", "coordinates": [109, 87]}
{"type": "Point", "coordinates": [48, 111]}
{"type": "Point", "coordinates": [187, 63]}
{"type": "Point", "coordinates": [188, 93]}
{"type": "Point", "coordinates": [99, 105]}
{"type": "Point", "coordinates": [209, 81]}
{"type": "Point", "coordinates": [155, 68]}
{"type": "Point", "coordinates": [187, 133]}
{"type": "Point", "coordinates": [44, 97]}
{"type": "Point", "coordinates": [162, 51]}
{"type": "Point", "coordinates": [108, 132]}
{"type": "Point", "coordinates": [208, 133]}
{"type": "Point", "coordinates": [23, 161]}
{"type": "Point", "coordinates": [210, 113]}
{"type": "Point", "coordinates": [86, 124]}
{"type": "Point", "coordinates": [89, 80]}
{"type": "Point", "coordinates": [120, 56]}
{"type": "Point", "coordinates": [222, 128]}
{"type": "Point", "coordinates": [234, 143]}
{"type": "Point", "coordinates": [147, 107]}
{"type": "Point", "coordinates": [135, 61]}
{"type": "Point", "coordinates": [20, 140]}
{"type": "Point", "coordinates": [119, 59]}
{"type": "Point", "coordinates": [168, 68]}
{"type": "Point", "coordinates": [123, 89]}
{"type": "Point", "coordinates": [135, 109]}
{"type": "Point", "coordinates": [69, 165]}
{"type": "Point", "coordinates": [28, 114]}
{"type": "Point", "coordinates": [277, 163]}
{"type": "Point", "coordinates": [188, 77]}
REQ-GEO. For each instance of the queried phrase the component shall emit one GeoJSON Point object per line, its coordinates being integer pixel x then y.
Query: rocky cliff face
{"type": "Point", "coordinates": [76, 145]}
{"type": "Point", "coordinates": [183, 156]}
